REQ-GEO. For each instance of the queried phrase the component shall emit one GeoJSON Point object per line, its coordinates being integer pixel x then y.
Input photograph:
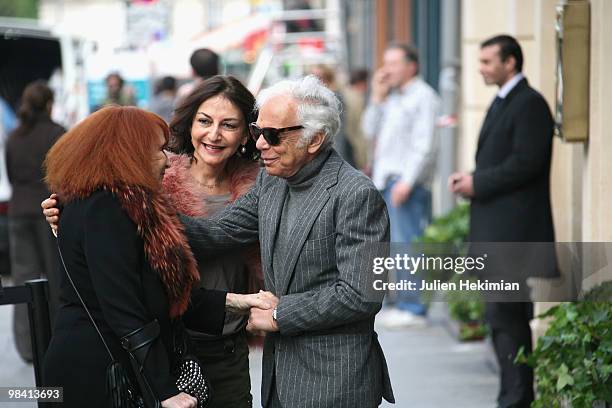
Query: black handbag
{"type": "Point", "coordinates": [189, 374]}
{"type": "Point", "coordinates": [187, 369]}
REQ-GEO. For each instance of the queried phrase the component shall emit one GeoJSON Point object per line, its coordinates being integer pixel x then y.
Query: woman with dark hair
{"type": "Point", "coordinates": [216, 162]}
{"type": "Point", "coordinates": [31, 242]}
{"type": "Point", "coordinates": [125, 253]}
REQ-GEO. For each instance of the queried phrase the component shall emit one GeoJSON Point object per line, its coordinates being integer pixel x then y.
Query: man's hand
{"type": "Point", "coordinates": [400, 192]}
{"type": "Point", "coordinates": [261, 320]}
{"type": "Point", "coordinates": [269, 296]}
{"type": "Point", "coordinates": [380, 86]}
{"type": "Point", "coordinates": [51, 211]}
{"type": "Point", "coordinates": [462, 184]}
{"type": "Point", "coordinates": [241, 304]}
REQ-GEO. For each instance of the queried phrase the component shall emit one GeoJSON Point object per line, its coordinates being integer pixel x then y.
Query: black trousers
{"type": "Point", "coordinates": [509, 323]}
{"type": "Point", "coordinates": [226, 363]}
{"type": "Point", "coordinates": [274, 401]}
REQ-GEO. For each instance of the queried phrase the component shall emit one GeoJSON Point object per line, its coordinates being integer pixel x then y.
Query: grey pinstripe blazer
{"type": "Point", "coordinates": [326, 353]}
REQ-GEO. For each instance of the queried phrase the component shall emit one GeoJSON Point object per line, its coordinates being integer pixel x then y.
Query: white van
{"type": "Point", "coordinates": [28, 52]}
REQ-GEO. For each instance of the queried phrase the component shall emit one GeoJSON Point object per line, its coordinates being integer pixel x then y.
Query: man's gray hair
{"type": "Point", "coordinates": [318, 107]}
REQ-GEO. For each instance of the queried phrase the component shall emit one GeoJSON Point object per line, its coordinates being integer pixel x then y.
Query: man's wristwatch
{"type": "Point", "coordinates": [274, 314]}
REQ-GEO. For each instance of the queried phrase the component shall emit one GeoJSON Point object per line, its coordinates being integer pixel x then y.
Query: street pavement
{"type": "Point", "coordinates": [429, 368]}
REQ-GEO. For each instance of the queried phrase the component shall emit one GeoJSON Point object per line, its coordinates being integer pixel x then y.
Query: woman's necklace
{"type": "Point", "coordinates": [211, 186]}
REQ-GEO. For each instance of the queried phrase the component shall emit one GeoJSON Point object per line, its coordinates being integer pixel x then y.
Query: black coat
{"type": "Point", "coordinates": [105, 257]}
{"type": "Point", "coordinates": [25, 153]}
{"type": "Point", "coordinates": [511, 200]}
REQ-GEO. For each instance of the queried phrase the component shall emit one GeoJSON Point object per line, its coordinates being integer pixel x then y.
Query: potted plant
{"type": "Point", "coordinates": [451, 230]}
{"type": "Point", "coordinates": [468, 311]}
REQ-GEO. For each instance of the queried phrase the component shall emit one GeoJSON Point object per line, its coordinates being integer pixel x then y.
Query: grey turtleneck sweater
{"type": "Point", "coordinates": [299, 186]}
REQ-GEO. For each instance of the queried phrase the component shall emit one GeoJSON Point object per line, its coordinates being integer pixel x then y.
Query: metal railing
{"type": "Point", "coordinates": [35, 293]}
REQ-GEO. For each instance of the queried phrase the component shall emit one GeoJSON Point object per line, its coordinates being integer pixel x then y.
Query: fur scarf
{"type": "Point", "coordinates": [165, 246]}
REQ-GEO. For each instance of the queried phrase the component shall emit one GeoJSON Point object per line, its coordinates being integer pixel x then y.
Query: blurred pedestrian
{"type": "Point", "coordinates": [510, 197]}
{"type": "Point", "coordinates": [204, 64]}
{"type": "Point", "coordinates": [117, 93]}
{"type": "Point", "coordinates": [400, 118]}
{"type": "Point", "coordinates": [354, 105]}
{"type": "Point", "coordinates": [327, 76]}
{"type": "Point", "coordinates": [31, 242]}
{"type": "Point", "coordinates": [8, 122]}
{"type": "Point", "coordinates": [164, 99]}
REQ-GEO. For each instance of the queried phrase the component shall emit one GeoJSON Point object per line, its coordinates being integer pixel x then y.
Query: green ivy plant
{"type": "Point", "coordinates": [452, 228]}
{"type": "Point", "coordinates": [573, 360]}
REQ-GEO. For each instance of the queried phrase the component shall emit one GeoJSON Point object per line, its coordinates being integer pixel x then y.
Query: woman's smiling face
{"type": "Point", "coordinates": [218, 129]}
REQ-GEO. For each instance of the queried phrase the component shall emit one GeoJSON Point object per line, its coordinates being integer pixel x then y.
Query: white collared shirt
{"type": "Point", "coordinates": [404, 126]}
{"type": "Point", "coordinates": [509, 86]}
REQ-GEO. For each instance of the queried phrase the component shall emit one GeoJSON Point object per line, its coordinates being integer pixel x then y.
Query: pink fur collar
{"type": "Point", "coordinates": [188, 196]}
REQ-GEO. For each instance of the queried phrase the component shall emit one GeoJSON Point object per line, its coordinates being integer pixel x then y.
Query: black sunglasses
{"type": "Point", "coordinates": [271, 135]}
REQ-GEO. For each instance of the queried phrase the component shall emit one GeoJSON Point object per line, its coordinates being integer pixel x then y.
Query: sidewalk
{"type": "Point", "coordinates": [429, 369]}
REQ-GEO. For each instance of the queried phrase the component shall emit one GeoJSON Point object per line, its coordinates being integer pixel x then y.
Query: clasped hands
{"type": "Point", "coordinates": [259, 306]}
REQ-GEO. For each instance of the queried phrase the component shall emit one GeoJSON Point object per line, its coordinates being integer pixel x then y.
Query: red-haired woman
{"type": "Point", "coordinates": [214, 164]}
{"type": "Point", "coordinates": [125, 252]}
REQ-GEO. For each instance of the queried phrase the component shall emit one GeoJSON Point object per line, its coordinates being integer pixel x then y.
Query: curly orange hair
{"type": "Point", "coordinates": [113, 146]}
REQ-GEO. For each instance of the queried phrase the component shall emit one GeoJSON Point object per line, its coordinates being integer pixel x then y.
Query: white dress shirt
{"type": "Point", "coordinates": [509, 86]}
{"type": "Point", "coordinates": [404, 126]}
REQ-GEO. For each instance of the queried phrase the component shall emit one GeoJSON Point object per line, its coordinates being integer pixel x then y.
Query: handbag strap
{"type": "Point", "coordinates": [149, 400]}
{"type": "Point", "coordinates": [83, 303]}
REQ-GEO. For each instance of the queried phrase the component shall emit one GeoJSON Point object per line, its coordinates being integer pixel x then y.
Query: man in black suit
{"type": "Point", "coordinates": [510, 200]}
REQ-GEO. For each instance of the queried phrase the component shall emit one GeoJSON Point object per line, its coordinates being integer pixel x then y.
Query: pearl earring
{"type": "Point", "coordinates": [243, 149]}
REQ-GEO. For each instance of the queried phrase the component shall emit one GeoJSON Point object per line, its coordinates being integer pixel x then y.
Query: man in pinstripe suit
{"type": "Point", "coordinates": [320, 223]}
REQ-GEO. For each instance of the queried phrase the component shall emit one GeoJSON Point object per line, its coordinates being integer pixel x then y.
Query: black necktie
{"type": "Point", "coordinates": [495, 105]}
